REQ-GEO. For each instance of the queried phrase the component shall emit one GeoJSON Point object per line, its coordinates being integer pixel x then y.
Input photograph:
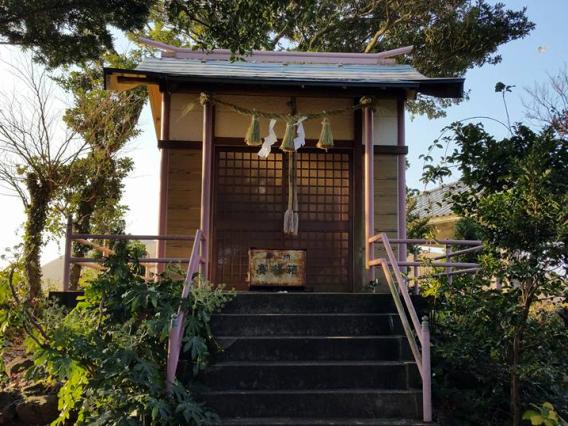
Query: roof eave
{"type": "Point", "coordinates": [439, 87]}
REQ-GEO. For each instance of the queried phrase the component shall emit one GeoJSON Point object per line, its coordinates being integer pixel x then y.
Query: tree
{"type": "Point", "coordinates": [515, 191]}
{"type": "Point", "coordinates": [548, 102]}
{"type": "Point", "coordinates": [109, 353]}
{"type": "Point", "coordinates": [39, 158]}
{"type": "Point", "coordinates": [449, 37]}
{"type": "Point", "coordinates": [70, 31]}
{"type": "Point", "coordinates": [106, 121]}
{"type": "Point", "coordinates": [417, 227]}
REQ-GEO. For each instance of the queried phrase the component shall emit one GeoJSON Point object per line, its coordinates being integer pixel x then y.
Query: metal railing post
{"type": "Point", "coordinates": [426, 371]}
{"type": "Point", "coordinates": [177, 324]}
{"type": "Point", "coordinates": [449, 259]}
{"type": "Point", "coordinates": [415, 269]}
{"type": "Point", "coordinates": [67, 254]}
{"type": "Point", "coordinates": [421, 329]}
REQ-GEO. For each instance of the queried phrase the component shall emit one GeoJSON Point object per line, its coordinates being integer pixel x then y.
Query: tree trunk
{"type": "Point", "coordinates": [82, 225]}
{"type": "Point", "coordinates": [36, 218]}
{"type": "Point", "coordinates": [515, 385]}
{"type": "Point", "coordinates": [516, 358]}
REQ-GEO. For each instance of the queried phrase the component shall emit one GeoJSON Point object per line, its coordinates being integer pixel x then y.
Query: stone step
{"type": "Point", "coordinates": [338, 403]}
{"type": "Point", "coordinates": [314, 348]}
{"type": "Point", "coordinates": [311, 375]}
{"type": "Point", "coordinates": [290, 303]}
{"type": "Point", "coordinates": [281, 421]}
{"type": "Point", "coordinates": [338, 324]}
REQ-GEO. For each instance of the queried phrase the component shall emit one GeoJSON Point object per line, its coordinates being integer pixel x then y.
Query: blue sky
{"type": "Point", "coordinates": [522, 66]}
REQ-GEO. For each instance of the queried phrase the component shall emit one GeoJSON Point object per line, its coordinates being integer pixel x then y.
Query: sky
{"type": "Point", "coordinates": [525, 62]}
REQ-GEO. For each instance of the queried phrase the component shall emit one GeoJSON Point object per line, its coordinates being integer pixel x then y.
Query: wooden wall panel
{"type": "Point", "coordinates": [186, 117]}
{"type": "Point", "coordinates": [341, 124]}
{"type": "Point", "coordinates": [386, 196]}
{"type": "Point", "coordinates": [386, 123]}
{"type": "Point", "coordinates": [184, 197]}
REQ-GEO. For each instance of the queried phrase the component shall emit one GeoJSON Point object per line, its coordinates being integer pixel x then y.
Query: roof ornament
{"type": "Point", "coordinates": [283, 57]}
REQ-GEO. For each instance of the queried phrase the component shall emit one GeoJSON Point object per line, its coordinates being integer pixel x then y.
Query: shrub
{"type": "Point", "coordinates": [472, 330]}
{"type": "Point", "coordinates": [110, 352]}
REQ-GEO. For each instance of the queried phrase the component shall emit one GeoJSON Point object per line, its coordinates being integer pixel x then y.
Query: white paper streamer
{"type": "Point", "coordinates": [300, 139]}
{"type": "Point", "coordinates": [268, 140]}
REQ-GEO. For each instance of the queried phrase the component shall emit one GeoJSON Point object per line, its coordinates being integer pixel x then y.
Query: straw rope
{"type": "Point", "coordinates": [206, 98]}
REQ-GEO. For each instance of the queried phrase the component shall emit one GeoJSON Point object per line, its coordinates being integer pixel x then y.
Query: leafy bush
{"type": "Point", "coordinates": [544, 415]}
{"type": "Point", "coordinates": [473, 326]}
{"type": "Point", "coordinates": [110, 352]}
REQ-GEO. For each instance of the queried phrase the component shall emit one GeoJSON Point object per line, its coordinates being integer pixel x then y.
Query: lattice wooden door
{"type": "Point", "coordinates": [250, 198]}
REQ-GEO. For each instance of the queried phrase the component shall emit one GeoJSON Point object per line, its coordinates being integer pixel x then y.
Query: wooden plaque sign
{"type": "Point", "coordinates": [277, 268]}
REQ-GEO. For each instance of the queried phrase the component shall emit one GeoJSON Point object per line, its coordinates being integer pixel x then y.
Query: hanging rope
{"type": "Point", "coordinates": [291, 218]}
{"type": "Point", "coordinates": [206, 98]}
{"type": "Point", "coordinates": [294, 136]}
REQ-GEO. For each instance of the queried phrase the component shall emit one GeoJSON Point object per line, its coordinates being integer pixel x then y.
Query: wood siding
{"type": "Point", "coordinates": [184, 198]}
{"type": "Point", "coordinates": [184, 190]}
{"type": "Point", "coordinates": [385, 123]}
{"type": "Point", "coordinates": [386, 196]}
{"type": "Point", "coordinates": [186, 116]}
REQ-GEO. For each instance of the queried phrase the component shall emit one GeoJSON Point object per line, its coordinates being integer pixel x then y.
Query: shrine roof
{"type": "Point", "coordinates": [303, 69]}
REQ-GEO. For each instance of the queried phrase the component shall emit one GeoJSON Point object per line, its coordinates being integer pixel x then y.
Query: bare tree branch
{"type": "Point", "coordinates": [38, 155]}
{"type": "Point", "coordinates": [547, 102]}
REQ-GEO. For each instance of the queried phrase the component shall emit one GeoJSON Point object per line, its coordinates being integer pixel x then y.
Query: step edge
{"type": "Point", "coordinates": [307, 314]}
{"type": "Point", "coordinates": [316, 337]}
{"type": "Point", "coordinates": [316, 421]}
{"type": "Point", "coordinates": [330, 363]}
{"type": "Point", "coordinates": [314, 391]}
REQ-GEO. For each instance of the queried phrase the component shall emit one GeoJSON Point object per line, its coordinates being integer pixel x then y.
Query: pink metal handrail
{"type": "Point", "coordinates": [430, 241]}
{"type": "Point", "coordinates": [418, 334]}
{"type": "Point", "coordinates": [176, 328]}
{"type": "Point", "coordinates": [413, 329]}
{"type": "Point", "coordinates": [68, 259]}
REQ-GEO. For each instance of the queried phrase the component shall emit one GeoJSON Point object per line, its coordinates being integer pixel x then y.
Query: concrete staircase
{"type": "Point", "coordinates": [312, 359]}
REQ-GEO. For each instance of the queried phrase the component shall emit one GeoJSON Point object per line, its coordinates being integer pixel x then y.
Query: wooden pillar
{"type": "Point", "coordinates": [164, 177]}
{"type": "Point", "coordinates": [369, 186]}
{"type": "Point", "coordinates": [358, 204]}
{"type": "Point", "coordinates": [402, 248]}
{"type": "Point", "coordinates": [206, 172]}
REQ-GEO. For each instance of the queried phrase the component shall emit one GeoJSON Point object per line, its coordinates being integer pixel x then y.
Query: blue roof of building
{"type": "Point", "coordinates": [300, 74]}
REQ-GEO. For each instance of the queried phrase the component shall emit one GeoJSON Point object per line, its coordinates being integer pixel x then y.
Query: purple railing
{"type": "Point", "coordinates": [176, 328]}
{"type": "Point", "coordinates": [416, 332]}
{"type": "Point", "coordinates": [197, 262]}
{"type": "Point", "coordinates": [93, 262]}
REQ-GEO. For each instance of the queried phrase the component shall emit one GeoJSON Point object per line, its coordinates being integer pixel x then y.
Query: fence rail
{"type": "Point", "coordinates": [196, 262]}
{"type": "Point", "coordinates": [94, 262]}
{"type": "Point", "coordinates": [176, 328]}
{"type": "Point", "coordinates": [416, 332]}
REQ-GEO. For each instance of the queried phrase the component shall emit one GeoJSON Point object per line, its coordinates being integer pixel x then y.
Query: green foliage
{"type": "Point", "coordinates": [544, 415]}
{"type": "Point", "coordinates": [72, 31]}
{"type": "Point", "coordinates": [417, 227]}
{"type": "Point", "coordinates": [506, 348]}
{"type": "Point", "coordinates": [11, 316]}
{"type": "Point", "coordinates": [106, 121]}
{"type": "Point", "coordinates": [110, 351]}
{"type": "Point", "coordinates": [467, 229]}
{"type": "Point", "coordinates": [473, 327]}
{"type": "Point", "coordinates": [517, 193]}
{"type": "Point", "coordinates": [448, 37]}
